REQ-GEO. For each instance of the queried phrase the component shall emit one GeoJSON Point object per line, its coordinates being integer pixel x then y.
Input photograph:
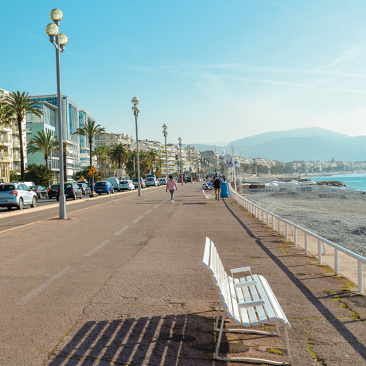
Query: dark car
{"type": "Point", "coordinates": [188, 180]}
{"type": "Point", "coordinates": [41, 191]}
{"type": "Point", "coordinates": [52, 190]}
{"type": "Point", "coordinates": [103, 187]}
{"type": "Point", "coordinates": [71, 190]}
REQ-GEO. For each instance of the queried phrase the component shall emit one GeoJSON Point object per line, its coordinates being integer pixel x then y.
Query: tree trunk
{"type": "Point", "coordinates": [91, 155]}
{"type": "Point", "coordinates": [21, 149]}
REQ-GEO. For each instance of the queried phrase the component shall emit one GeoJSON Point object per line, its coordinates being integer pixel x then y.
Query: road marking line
{"type": "Point", "coordinates": [138, 219]}
{"type": "Point", "coordinates": [121, 231]}
{"type": "Point", "coordinates": [156, 206]}
{"type": "Point", "coordinates": [29, 296]}
{"type": "Point", "coordinates": [56, 217]}
{"type": "Point", "coordinates": [100, 246]}
{"type": "Point", "coordinates": [147, 212]}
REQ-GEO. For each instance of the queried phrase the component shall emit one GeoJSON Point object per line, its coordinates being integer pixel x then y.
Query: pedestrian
{"type": "Point", "coordinates": [171, 186]}
{"type": "Point", "coordinates": [217, 186]}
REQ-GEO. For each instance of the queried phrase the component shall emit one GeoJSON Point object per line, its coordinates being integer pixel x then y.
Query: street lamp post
{"type": "Point", "coordinates": [59, 40]}
{"type": "Point", "coordinates": [136, 111]}
{"type": "Point", "coordinates": [165, 132]}
{"type": "Point", "coordinates": [181, 164]}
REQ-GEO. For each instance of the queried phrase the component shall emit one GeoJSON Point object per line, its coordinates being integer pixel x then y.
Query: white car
{"type": "Point", "coordinates": [151, 182]}
{"type": "Point", "coordinates": [126, 185]}
{"type": "Point", "coordinates": [162, 181]}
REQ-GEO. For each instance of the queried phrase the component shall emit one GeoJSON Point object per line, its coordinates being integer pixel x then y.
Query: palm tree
{"type": "Point", "coordinates": [19, 105]}
{"type": "Point", "coordinates": [6, 116]}
{"type": "Point", "coordinates": [102, 153]}
{"type": "Point", "coordinates": [118, 154]}
{"type": "Point", "coordinates": [90, 130]}
{"type": "Point", "coordinates": [43, 143]}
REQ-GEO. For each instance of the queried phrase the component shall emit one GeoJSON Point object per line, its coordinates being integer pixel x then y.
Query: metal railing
{"type": "Point", "coordinates": [270, 219]}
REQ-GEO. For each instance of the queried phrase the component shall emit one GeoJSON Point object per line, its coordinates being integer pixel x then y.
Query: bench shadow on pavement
{"type": "Point", "coordinates": [348, 336]}
{"type": "Point", "coordinates": [181, 340]}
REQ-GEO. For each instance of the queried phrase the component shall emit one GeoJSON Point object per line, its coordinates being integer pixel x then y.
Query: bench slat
{"type": "Point", "coordinates": [256, 293]}
{"type": "Point", "coordinates": [206, 254]}
{"type": "Point", "coordinates": [242, 269]}
{"type": "Point", "coordinates": [276, 305]}
{"type": "Point", "coordinates": [234, 302]}
{"type": "Point", "coordinates": [268, 305]}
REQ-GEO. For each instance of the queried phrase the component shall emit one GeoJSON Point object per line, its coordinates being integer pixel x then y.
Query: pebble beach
{"type": "Point", "coordinates": [336, 216]}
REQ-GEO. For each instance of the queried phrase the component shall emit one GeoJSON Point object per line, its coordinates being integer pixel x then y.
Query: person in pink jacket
{"type": "Point", "coordinates": [171, 186]}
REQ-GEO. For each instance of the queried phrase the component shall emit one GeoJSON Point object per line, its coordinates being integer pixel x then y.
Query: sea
{"type": "Point", "coordinates": [355, 181]}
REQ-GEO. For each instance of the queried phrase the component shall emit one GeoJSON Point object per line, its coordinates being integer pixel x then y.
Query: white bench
{"type": "Point", "coordinates": [207, 195]}
{"type": "Point", "coordinates": [248, 301]}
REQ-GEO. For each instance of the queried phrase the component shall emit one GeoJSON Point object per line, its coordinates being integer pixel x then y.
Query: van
{"type": "Point", "coordinates": [114, 181]}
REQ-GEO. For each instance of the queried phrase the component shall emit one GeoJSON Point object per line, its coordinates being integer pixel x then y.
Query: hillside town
{"type": "Point", "coordinates": [114, 153]}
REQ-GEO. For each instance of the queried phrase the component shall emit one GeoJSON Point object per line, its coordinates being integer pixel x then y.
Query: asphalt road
{"type": "Point", "coordinates": [49, 208]}
{"type": "Point", "coordinates": [51, 269]}
{"type": "Point", "coordinates": [120, 282]}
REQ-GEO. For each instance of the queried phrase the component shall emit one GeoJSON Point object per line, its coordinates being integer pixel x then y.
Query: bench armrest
{"type": "Point", "coordinates": [245, 284]}
{"type": "Point", "coordinates": [250, 303]}
{"type": "Point", "coordinates": [242, 269]}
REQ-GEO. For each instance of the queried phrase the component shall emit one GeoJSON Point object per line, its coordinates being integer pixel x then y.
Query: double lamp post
{"type": "Point", "coordinates": [59, 40]}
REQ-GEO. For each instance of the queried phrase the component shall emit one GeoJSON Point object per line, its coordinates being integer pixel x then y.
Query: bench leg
{"type": "Point", "coordinates": [278, 329]}
{"type": "Point", "coordinates": [248, 359]}
{"type": "Point", "coordinates": [218, 316]}
{"type": "Point", "coordinates": [288, 345]}
{"type": "Point", "coordinates": [220, 335]}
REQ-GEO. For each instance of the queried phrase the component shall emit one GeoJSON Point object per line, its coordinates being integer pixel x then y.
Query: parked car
{"type": "Point", "coordinates": [103, 187]}
{"type": "Point", "coordinates": [152, 182]}
{"type": "Point", "coordinates": [52, 190]}
{"type": "Point", "coordinates": [16, 195]}
{"type": "Point", "coordinates": [115, 182]}
{"type": "Point", "coordinates": [126, 185]}
{"type": "Point", "coordinates": [85, 189]}
{"type": "Point", "coordinates": [71, 190]}
{"type": "Point", "coordinates": [28, 184]}
{"type": "Point", "coordinates": [162, 181]}
{"type": "Point", "coordinates": [135, 180]}
{"type": "Point", "coordinates": [188, 180]}
{"type": "Point", "coordinates": [41, 192]}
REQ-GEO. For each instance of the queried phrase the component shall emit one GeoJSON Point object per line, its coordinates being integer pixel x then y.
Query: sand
{"type": "Point", "coordinates": [336, 216]}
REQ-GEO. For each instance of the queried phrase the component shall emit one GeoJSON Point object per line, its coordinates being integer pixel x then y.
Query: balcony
{"type": "Point", "coordinates": [5, 142]}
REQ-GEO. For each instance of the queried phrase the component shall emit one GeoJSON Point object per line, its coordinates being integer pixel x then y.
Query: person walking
{"type": "Point", "coordinates": [171, 186]}
{"type": "Point", "coordinates": [217, 186]}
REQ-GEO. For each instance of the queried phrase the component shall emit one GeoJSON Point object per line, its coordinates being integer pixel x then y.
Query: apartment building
{"type": "Point", "coordinates": [109, 139]}
{"type": "Point", "coordinates": [10, 146]}
{"type": "Point", "coordinates": [85, 152]}
{"type": "Point", "coordinates": [47, 122]}
{"type": "Point", "coordinates": [70, 115]}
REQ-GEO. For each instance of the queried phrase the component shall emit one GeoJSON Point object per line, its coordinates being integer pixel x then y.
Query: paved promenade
{"type": "Point", "coordinates": [122, 284]}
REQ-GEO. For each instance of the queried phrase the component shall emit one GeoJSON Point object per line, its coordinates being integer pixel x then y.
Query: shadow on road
{"type": "Point", "coordinates": [171, 340]}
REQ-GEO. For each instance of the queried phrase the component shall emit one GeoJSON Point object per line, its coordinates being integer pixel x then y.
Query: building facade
{"type": "Point", "coordinates": [85, 152]}
{"type": "Point", "coordinates": [109, 139]}
{"type": "Point", "coordinates": [10, 146]}
{"type": "Point", "coordinates": [47, 122]}
{"type": "Point", "coordinates": [70, 116]}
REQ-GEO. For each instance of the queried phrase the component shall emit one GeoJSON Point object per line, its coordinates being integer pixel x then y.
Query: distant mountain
{"type": "Point", "coordinates": [301, 144]}
{"type": "Point", "coordinates": [203, 147]}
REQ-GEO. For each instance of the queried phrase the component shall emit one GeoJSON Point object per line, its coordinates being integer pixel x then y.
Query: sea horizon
{"type": "Point", "coordinates": [356, 181]}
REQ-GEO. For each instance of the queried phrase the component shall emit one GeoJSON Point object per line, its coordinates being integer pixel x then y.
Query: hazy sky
{"type": "Point", "coordinates": [212, 70]}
